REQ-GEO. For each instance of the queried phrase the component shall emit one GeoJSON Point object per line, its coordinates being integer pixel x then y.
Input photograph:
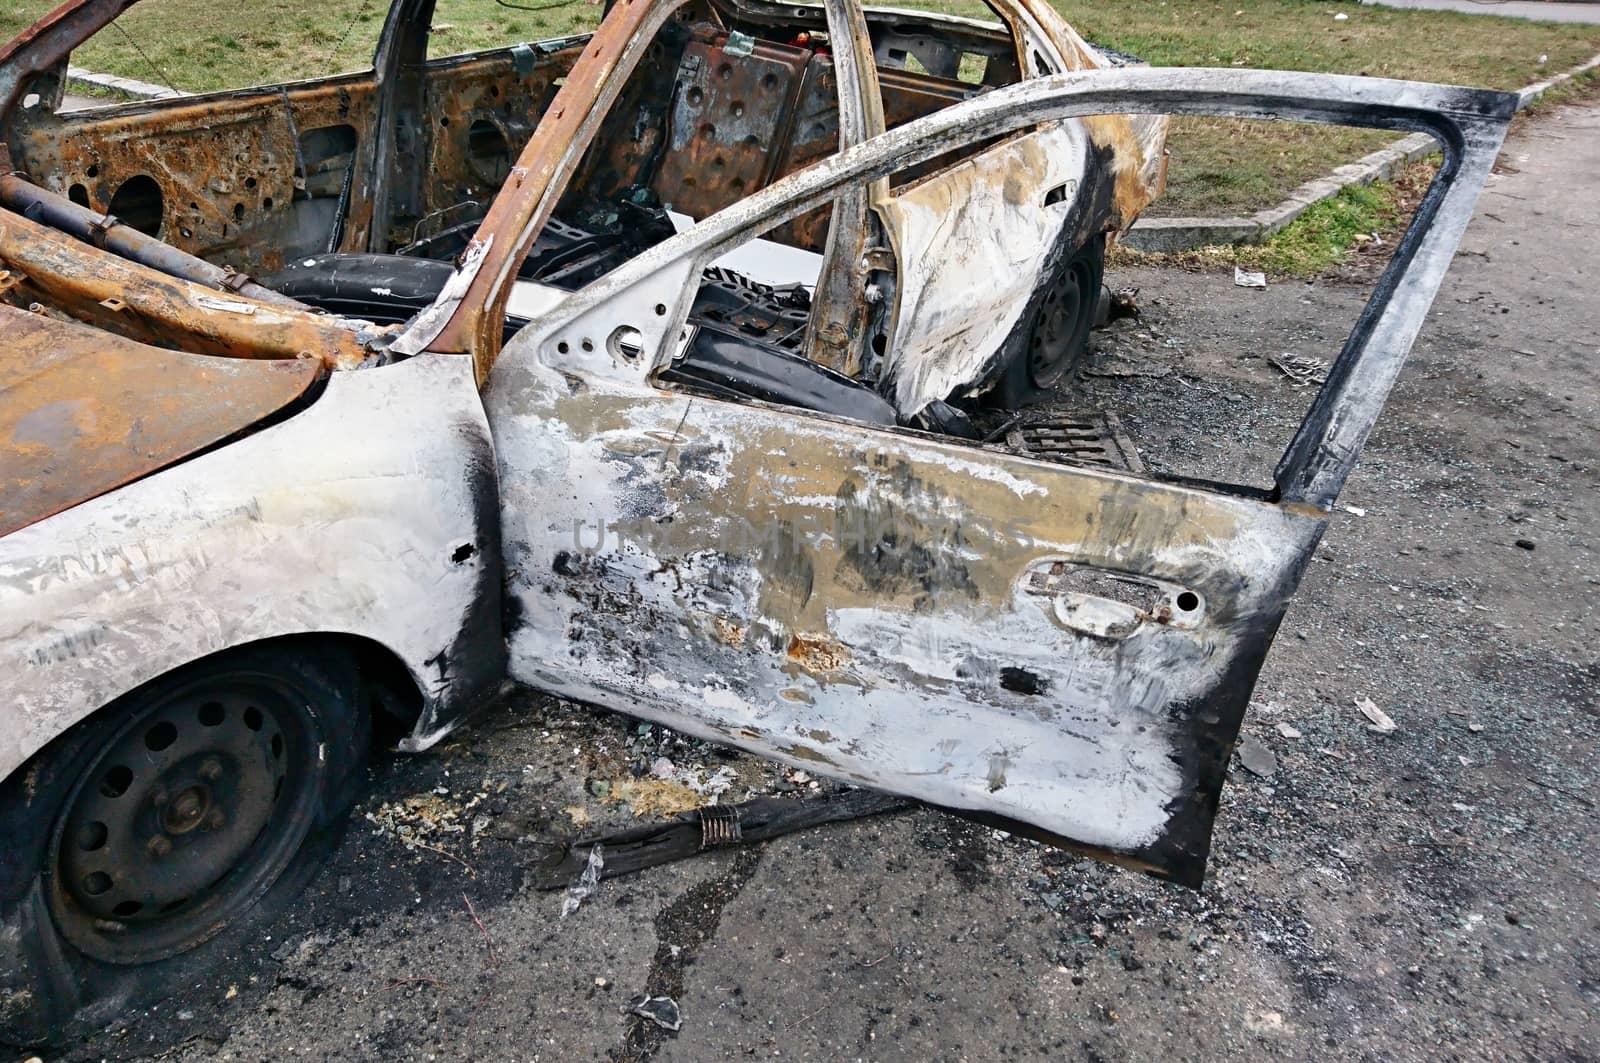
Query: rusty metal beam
{"type": "Point", "coordinates": [104, 231]}
{"type": "Point", "coordinates": [470, 319]}
{"type": "Point", "coordinates": [837, 335]}
{"type": "Point", "coordinates": [141, 303]}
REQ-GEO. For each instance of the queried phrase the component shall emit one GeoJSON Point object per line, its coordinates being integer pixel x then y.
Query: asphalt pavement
{"type": "Point", "coordinates": [1538, 10]}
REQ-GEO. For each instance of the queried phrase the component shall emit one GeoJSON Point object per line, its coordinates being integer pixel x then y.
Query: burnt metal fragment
{"type": "Point", "coordinates": [714, 827]}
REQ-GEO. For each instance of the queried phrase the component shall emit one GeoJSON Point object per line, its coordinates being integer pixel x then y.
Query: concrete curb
{"type": "Point", "coordinates": [1186, 234]}
{"type": "Point", "coordinates": [139, 90]}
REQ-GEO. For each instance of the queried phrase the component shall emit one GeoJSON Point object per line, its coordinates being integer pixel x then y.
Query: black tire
{"type": "Point", "coordinates": [1056, 343]}
{"type": "Point", "coordinates": [145, 844]}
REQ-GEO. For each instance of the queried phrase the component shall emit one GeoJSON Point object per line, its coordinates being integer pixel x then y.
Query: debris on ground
{"type": "Point", "coordinates": [1302, 371]}
{"type": "Point", "coordinates": [1124, 303]}
{"type": "Point", "coordinates": [1111, 365]}
{"type": "Point", "coordinates": [1288, 730]}
{"type": "Point", "coordinates": [663, 1011]}
{"type": "Point", "coordinates": [1245, 278]}
{"type": "Point", "coordinates": [712, 827]}
{"type": "Point", "coordinates": [1382, 723]}
{"type": "Point", "coordinates": [587, 882]}
{"type": "Point", "coordinates": [1256, 758]}
{"type": "Point", "coordinates": [418, 816]}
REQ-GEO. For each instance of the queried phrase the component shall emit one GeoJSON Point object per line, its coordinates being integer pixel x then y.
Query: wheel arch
{"type": "Point", "coordinates": [396, 695]}
{"type": "Point", "coordinates": [371, 516]}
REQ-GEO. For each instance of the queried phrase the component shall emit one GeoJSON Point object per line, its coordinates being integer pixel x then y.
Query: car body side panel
{"type": "Point", "coordinates": [892, 610]}
{"type": "Point", "coordinates": [371, 513]}
{"type": "Point", "coordinates": [238, 173]}
{"type": "Point", "coordinates": [973, 243]}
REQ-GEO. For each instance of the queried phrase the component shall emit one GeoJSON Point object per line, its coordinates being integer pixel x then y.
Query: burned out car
{"type": "Point", "coordinates": [677, 408]}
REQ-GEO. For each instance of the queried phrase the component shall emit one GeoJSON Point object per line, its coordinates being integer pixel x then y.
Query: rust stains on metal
{"type": "Point", "coordinates": [818, 654]}
{"type": "Point", "coordinates": [139, 303]}
{"type": "Point", "coordinates": [727, 632]}
{"type": "Point", "coordinates": [44, 45]}
{"type": "Point", "coordinates": [82, 412]}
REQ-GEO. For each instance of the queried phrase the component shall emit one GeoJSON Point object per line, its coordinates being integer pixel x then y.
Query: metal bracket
{"type": "Point", "coordinates": [100, 227]}
{"type": "Point", "coordinates": [523, 58]}
{"type": "Point", "coordinates": [233, 280]}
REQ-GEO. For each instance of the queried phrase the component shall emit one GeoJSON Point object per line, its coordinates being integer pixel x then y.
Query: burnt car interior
{"type": "Point", "coordinates": [273, 182]}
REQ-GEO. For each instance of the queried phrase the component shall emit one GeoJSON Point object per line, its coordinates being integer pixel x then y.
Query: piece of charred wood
{"type": "Point", "coordinates": [712, 827]}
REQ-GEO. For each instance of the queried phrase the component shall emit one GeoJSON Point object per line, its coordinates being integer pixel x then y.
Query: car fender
{"type": "Point", "coordinates": [371, 513]}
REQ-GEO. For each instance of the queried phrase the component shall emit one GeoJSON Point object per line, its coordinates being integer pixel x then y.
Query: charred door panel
{"type": "Point", "coordinates": [479, 112]}
{"type": "Point", "coordinates": [242, 179]}
{"type": "Point", "coordinates": [730, 119]}
{"type": "Point", "coordinates": [1067, 651]}
{"type": "Point", "coordinates": [1068, 648]}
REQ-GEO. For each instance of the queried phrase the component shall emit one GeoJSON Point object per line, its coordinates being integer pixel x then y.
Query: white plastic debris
{"type": "Point", "coordinates": [1341, 17]}
{"type": "Point", "coordinates": [663, 1011]}
{"type": "Point", "coordinates": [1288, 730]}
{"type": "Point", "coordinates": [1248, 279]}
{"type": "Point", "coordinates": [587, 883]}
{"type": "Point", "coordinates": [1382, 723]}
{"type": "Point", "coordinates": [1354, 510]}
{"type": "Point", "coordinates": [716, 784]}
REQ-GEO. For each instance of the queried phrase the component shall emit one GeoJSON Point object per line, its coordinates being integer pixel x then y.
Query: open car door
{"type": "Point", "coordinates": [1065, 651]}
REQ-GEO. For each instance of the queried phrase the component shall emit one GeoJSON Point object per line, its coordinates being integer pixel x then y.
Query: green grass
{"type": "Point", "coordinates": [1321, 238]}
{"type": "Point", "coordinates": [1217, 166]}
{"type": "Point", "coordinates": [1327, 236]}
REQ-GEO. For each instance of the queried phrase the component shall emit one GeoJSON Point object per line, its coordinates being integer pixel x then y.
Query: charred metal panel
{"type": "Point", "coordinates": [82, 412]}
{"type": "Point", "coordinates": [814, 135]}
{"type": "Point", "coordinates": [729, 122]}
{"type": "Point", "coordinates": [370, 513]}
{"type": "Point", "coordinates": [1064, 651]}
{"type": "Point", "coordinates": [964, 288]}
{"type": "Point", "coordinates": [478, 113]}
{"type": "Point", "coordinates": [224, 176]}
{"type": "Point", "coordinates": [869, 605]}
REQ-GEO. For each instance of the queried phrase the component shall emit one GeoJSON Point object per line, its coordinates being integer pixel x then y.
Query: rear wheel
{"type": "Point", "coordinates": [187, 813]}
{"type": "Point", "coordinates": [1057, 342]}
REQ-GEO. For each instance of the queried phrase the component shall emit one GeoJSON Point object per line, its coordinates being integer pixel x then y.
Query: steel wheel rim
{"type": "Point", "coordinates": [186, 817]}
{"type": "Point", "coordinates": [1059, 331]}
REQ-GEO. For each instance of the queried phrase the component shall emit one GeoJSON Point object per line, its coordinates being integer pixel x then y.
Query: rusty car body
{"type": "Point", "coordinates": [266, 477]}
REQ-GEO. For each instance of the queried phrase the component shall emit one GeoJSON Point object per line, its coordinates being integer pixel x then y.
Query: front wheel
{"type": "Point", "coordinates": [191, 809]}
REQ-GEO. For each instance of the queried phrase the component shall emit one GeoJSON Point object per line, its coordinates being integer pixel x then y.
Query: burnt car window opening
{"type": "Point", "coordinates": [191, 47]}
